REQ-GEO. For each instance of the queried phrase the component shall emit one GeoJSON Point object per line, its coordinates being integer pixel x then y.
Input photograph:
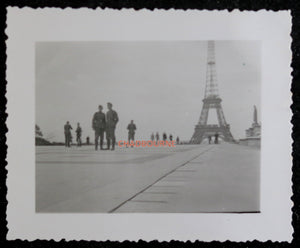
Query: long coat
{"type": "Point", "coordinates": [98, 121]}
{"type": "Point", "coordinates": [111, 119]}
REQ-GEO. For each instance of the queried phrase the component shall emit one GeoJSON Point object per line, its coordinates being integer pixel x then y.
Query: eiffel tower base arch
{"type": "Point", "coordinates": [203, 131]}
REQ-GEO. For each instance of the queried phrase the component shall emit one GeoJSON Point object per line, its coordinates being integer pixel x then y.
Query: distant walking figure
{"type": "Point", "coordinates": [99, 124]}
{"type": "Point", "coordinates": [68, 135]}
{"type": "Point", "coordinates": [216, 138]}
{"type": "Point", "coordinates": [164, 136]}
{"type": "Point", "coordinates": [177, 140]}
{"type": "Point", "coordinates": [152, 136]}
{"type": "Point", "coordinates": [157, 136]}
{"type": "Point", "coordinates": [111, 122]}
{"type": "Point", "coordinates": [78, 134]}
{"type": "Point", "coordinates": [131, 131]}
{"type": "Point", "coordinates": [87, 140]}
{"type": "Point", "coordinates": [209, 139]}
{"type": "Point", "coordinates": [71, 139]}
{"type": "Point", "coordinates": [171, 137]}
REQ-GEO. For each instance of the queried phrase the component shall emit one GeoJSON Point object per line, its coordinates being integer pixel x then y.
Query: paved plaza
{"type": "Point", "coordinates": [182, 179]}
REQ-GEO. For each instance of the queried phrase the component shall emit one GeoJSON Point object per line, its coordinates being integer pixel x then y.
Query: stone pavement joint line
{"type": "Point", "coordinates": [159, 179]}
{"type": "Point", "coordinates": [184, 179]}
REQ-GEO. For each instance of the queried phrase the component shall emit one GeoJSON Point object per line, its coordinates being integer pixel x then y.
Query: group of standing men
{"type": "Point", "coordinates": [68, 134]}
{"type": "Point", "coordinates": [164, 137]}
{"type": "Point", "coordinates": [216, 141]}
{"type": "Point", "coordinates": [101, 123]}
{"type": "Point", "coordinates": [105, 123]}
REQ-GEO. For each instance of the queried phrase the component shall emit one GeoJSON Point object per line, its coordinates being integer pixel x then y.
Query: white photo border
{"type": "Point", "coordinates": [26, 26]}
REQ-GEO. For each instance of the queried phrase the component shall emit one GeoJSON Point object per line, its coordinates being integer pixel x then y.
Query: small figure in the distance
{"type": "Point", "coordinates": [171, 137]}
{"type": "Point", "coordinates": [157, 136]}
{"type": "Point", "coordinates": [78, 134]}
{"type": "Point", "coordinates": [164, 136]}
{"type": "Point", "coordinates": [216, 138]}
{"type": "Point", "coordinates": [152, 136]}
{"type": "Point", "coordinates": [209, 139]}
{"type": "Point", "coordinates": [131, 131]}
{"type": "Point", "coordinates": [87, 140]}
{"type": "Point", "coordinates": [68, 135]}
{"type": "Point", "coordinates": [177, 140]}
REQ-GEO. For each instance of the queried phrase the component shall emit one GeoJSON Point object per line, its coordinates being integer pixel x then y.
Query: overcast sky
{"type": "Point", "coordinates": [158, 84]}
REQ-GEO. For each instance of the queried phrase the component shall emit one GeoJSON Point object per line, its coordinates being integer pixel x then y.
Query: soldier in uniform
{"type": "Point", "coordinates": [209, 139]}
{"type": "Point", "coordinates": [78, 134]}
{"type": "Point", "coordinates": [99, 124]}
{"type": "Point", "coordinates": [68, 135]}
{"type": "Point", "coordinates": [157, 136]}
{"type": "Point", "coordinates": [216, 138]}
{"type": "Point", "coordinates": [111, 122]}
{"type": "Point", "coordinates": [131, 131]}
{"type": "Point", "coordinates": [164, 136]}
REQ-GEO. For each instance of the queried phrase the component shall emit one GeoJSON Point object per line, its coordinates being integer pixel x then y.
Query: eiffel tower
{"type": "Point", "coordinates": [211, 100]}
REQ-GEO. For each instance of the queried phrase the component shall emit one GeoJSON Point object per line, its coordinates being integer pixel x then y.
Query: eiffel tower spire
{"type": "Point", "coordinates": [211, 88]}
{"type": "Point", "coordinates": [211, 100]}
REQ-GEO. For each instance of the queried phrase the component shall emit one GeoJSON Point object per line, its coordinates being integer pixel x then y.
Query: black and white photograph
{"type": "Point", "coordinates": [148, 126]}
